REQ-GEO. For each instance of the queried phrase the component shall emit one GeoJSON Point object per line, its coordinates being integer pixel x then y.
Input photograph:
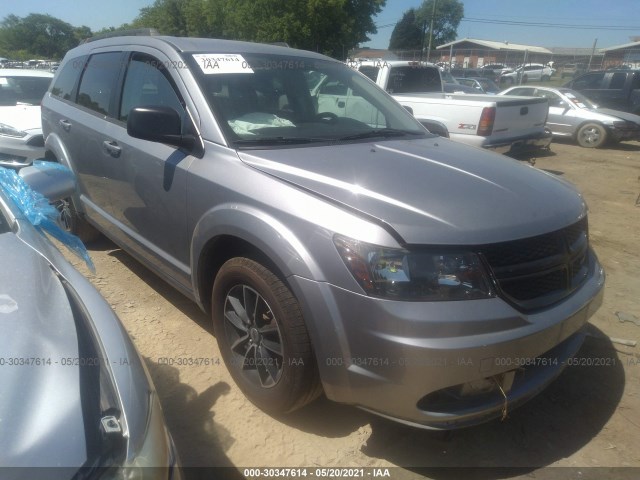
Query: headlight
{"type": "Point", "coordinates": [414, 275]}
{"type": "Point", "coordinates": [9, 131]}
{"type": "Point", "coordinates": [155, 457]}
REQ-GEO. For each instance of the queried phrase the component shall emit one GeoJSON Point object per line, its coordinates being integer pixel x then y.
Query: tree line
{"type": "Point", "coordinates": [332, 27]}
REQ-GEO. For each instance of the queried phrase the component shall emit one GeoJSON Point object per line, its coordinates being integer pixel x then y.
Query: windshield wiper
{"type": "Point", "coordinates": [278, 141]}
{"type": "Point", "coordinates": [381, 132]}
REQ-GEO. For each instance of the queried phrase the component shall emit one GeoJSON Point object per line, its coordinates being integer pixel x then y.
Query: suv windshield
{"type": "Point", "coordinates": [273, 100]}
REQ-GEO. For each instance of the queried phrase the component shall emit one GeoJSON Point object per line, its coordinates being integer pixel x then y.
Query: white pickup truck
{"type": "Point", "coordinates": [511, 125]}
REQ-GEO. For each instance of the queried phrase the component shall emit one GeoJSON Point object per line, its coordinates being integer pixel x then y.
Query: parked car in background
{"type": "Point", "coordinates": [526, 73]}
{"type": "Point", "coordinates": [572, 69]}
{"type": "Point", "coordinates": [617, 89]}
{"type": "Point", "coordinates": [77, 400]}
{"type": "Point", "coordinates": [571, 114]}
{"type": "Point", "coordinates": [21, 92]}
{"type": "Point", "coordinates": [480, 84]}
{"type": "Point", "coordinates": [450, 84]}
{"type": "Point", "coordinates": [511, 126]}
{"type": "Point", "coordinates": [498, 68]}
{"type": "Point", "coordinates": [474, 72]}
{"type": "Point", "coordinates": [334, 241]}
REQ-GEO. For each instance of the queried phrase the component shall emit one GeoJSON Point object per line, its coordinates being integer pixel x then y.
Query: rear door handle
{"type": "Point", "coordinates": [65, 124]}
{"type": "Point", "coordinates": [112, 148]}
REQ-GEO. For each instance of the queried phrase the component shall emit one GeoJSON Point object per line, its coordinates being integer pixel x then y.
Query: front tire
{"type": "Point", "coordinates": [262, 337]}
{"type": "Point", "coordinates": [71, 221]}
{"type": "Point", "coordinates": [591, 135]}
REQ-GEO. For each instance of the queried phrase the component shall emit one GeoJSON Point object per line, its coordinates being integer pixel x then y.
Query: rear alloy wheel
{"type": "Point", "coordinates": [262, 337]}
{"type": "Point", "coordinates": [591, 135]}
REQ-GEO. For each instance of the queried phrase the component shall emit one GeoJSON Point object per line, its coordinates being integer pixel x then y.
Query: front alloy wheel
{"type": "Point", "coordinates": [591, 135]}
{"type": "Point", "coordinates": [262, 337]}
{"type": "Point", "coordinates": [251, 330]}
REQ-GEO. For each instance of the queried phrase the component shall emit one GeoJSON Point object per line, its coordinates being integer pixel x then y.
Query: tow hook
{"type": "Point", "coordinates": [504, 381]}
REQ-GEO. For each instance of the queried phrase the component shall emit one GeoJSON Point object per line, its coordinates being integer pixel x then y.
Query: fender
{"type": "Point", "coordinates": [257, 228]}
{"type": "Point", "coordinates": [54, 147]}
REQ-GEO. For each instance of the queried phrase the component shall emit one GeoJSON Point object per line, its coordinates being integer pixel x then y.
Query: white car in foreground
{"type": "Point", "coordinates": [21, 91]}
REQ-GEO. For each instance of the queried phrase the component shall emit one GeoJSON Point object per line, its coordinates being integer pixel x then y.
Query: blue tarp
{"type": "Point", "coordinates": [39, 212]}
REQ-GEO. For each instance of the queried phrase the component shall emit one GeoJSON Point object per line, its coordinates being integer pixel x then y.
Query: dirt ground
{"type": "Point", "coordinates": [589, 417]}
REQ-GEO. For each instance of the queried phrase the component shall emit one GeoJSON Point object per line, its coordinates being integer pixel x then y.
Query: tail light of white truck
{"type": "Point", "coordinates": [487, 118]}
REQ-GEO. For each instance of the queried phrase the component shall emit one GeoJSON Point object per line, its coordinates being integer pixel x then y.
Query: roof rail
{"type": "Point", "coordinates": [136, 32]}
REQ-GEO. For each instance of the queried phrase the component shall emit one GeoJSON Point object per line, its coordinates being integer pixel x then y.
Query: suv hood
{"type": "Point", "coordinates": [432, 190]}
{"type": "Point", "coordinates": [40, 409]}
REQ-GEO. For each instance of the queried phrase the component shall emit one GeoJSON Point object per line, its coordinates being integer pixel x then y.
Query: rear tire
{"type": "Point", "coordinates": [262, 337]}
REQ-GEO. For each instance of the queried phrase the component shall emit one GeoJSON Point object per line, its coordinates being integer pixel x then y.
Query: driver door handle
{"type": "Point", "coordinates": [112, 148]}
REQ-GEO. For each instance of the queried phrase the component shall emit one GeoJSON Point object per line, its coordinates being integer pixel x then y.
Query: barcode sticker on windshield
{"type": "Point", "coordinates": [212, 64]}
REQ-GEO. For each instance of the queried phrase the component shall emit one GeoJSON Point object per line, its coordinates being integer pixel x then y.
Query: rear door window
{"type": "Point", "coordinates": [618, 80]}
{"type": "Point", "coordinates": [589, 81]}
{"type": "Point", "coordinates": [99, 82]}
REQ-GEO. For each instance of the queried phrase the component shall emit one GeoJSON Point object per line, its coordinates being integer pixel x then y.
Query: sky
{"type": "Point", "coordinates": [611, 22]}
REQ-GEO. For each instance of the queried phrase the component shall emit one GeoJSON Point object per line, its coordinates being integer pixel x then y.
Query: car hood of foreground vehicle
{"type": "Point", "coordinates": [430, 190]}
{"type": "Point", "coordinates": [41, 416]}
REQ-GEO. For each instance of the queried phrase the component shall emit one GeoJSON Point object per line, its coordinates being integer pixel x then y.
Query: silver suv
{"type": "Point", "coordinates": [417, 278]}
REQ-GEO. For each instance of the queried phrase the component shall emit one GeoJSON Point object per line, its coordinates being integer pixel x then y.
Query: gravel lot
{"type": "Point", "coordinates": [589, 417]}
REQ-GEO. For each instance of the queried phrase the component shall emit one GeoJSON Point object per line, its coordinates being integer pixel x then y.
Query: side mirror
{"type": "Point", "coordinates": [158, 124]}
{"type": "Point", "coordinates": [53, 180]}
{"type": "Point", "coordinates": [408, 109]}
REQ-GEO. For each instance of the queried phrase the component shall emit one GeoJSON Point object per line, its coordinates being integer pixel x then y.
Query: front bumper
{"type": "Point", "coordinates": [438, 365]}
{"type": "Point", "coordinates": [622, 135]}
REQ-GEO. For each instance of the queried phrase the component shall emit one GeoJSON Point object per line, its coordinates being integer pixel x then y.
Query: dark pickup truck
{"type": "Point", "coordinates": [615, 89]}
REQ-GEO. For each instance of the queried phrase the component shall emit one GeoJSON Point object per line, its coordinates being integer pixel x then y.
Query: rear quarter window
{"type": "Point", "coordinates": [66, 81]}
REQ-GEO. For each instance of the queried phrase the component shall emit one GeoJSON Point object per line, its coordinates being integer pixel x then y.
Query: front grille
{"type": "Point", "coordinates": [536, 272]}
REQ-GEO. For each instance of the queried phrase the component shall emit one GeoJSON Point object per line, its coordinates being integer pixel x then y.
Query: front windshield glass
{"type": "Point", "coordinates": [274, 100]}
{"type": "Point", "coordinates": [22, 90]}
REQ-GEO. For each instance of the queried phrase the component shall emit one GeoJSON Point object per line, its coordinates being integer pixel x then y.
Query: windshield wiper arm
{"type": "Point", "coordinates": [381, 132]}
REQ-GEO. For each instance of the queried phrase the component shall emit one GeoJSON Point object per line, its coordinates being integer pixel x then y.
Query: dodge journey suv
{"type": "Point", "coordinates": [423, 280]}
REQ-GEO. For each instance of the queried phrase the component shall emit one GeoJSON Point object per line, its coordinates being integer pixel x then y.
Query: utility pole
{"type": "Point", "coordinates": [424, 33]}
{"type": "Point", "coordinates": [593, 51]}
{"type": "Point", "coordinates": [433, 15]}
